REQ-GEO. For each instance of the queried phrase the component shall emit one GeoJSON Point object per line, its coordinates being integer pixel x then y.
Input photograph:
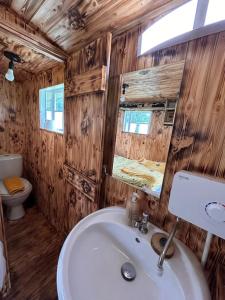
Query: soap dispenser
{"type": "Point", "coordinates": [133, 209]}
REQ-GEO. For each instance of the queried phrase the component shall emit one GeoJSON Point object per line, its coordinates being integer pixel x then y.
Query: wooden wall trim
{"type": "Point", "coordinates": [85, 83]}
{"type": "Point", "coordinates": [112, 111]}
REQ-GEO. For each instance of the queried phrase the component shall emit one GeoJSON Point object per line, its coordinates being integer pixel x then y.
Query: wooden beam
{"type": "Point", "coordinates": [32, 8]}
{"type": "Point", "coordinates": [88, 82]}
{"type": "Point", "coordinates": [13, 26]}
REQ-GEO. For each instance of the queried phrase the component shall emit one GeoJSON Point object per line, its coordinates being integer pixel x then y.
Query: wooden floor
{"type": "Point", "coordinates": [33, 248]}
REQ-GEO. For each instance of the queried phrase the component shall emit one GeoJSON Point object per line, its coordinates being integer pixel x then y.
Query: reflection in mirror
{"type": "Point", "coordinates": [145, 121]}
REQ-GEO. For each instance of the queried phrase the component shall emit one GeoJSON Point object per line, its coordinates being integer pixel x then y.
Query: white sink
{"type": "Point", "coordinates": [89, 266]}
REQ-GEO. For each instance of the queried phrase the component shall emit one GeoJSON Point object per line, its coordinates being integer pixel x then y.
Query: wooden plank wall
{"type": "Point", "coordinates": [12, 140]}
{"type": "Point", "coordinates": [153, 146]}
{"type": "Point", "coordinates": [45, 153]}
{"type": "Point", "coordinates": [12, 117]}
{"type": "Point", "coordinates": [198, 137]}
{"type": "Point", "coordinates": [80, 146]}
{"type": "Point", "coordinates": [44, 160]}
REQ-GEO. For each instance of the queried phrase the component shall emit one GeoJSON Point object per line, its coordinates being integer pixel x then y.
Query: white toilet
{"type": "Point", "coordinates": [12, 165]}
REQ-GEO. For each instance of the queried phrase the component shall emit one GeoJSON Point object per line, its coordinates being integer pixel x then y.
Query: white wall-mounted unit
{"type": "Point", "coordinates": [200, 200]}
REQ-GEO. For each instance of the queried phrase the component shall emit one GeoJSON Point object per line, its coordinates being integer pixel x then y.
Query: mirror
{"type": "Point", "coordinates": [145, 122]}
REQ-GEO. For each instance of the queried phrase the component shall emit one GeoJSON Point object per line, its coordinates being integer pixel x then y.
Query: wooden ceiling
{"type": "Point", "coordinates": [59, 27]}
{"type": "Point", "coordinates": [32, 62]}
{"type": "Point", "coordinates": [71, 23]}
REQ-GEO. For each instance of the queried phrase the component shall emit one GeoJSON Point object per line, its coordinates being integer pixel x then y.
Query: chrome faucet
{"type": "Point", "coordinates": [142, 224]}
{"type": "Point", "coordinates": [167, 245]}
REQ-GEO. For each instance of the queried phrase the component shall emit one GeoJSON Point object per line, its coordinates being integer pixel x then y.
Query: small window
{"type": "Point", "coordinates": [52, 108]}
{"type": "Point", "coordinates": [136, 121]}
{"type": "Point", "coordinates": [185, 22]}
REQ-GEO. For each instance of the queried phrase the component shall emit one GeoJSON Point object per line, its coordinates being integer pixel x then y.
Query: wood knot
{"type": "Point", "coordinates": [44, 148]}
{"type": "Point", "coordinates": [90, 52]}
{"type": "Point", "coordinates": [76, 20]}
{"type": "Point", "coordinates": [70, 175]}
{"type": "Point", "coordinates": [72, 197]}
{"type": "Point", "coordinates": [60, 174]}
{"type": "Point", "coordinates": [85, 186]}
{"type": "Point", "coordinates": [51, 189]}
{"type": "Point", "coordinates": [12, 114]}
{"type": "Point", "coordinates": [15, 138]}
{"type": "Point", "coordinates": [90, 173]}
{"type": "Point", "coordinates": [85, 125]}
{"type": "Point", "coordinates": [69, 141]}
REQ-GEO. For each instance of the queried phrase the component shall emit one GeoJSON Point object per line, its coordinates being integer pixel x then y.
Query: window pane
{"type": "Point", "coordinates": [177, 22]}
{"type": "Point", "coordinates": [143, 129]}
{"type": "Point", "coordinates": [52, 108]}
{"type": "Point", "coordinates": [215, 12]}
{"type": "Point", "coordinates": [48, 115]}
{"type": "Point", "coordinates": [49, 100]}
{"type": "Point", "coordinates": [59, 120]}
{"type": "Point", "coordinates": [59, 101]}
{"type": "Point", "coordinates": [136, 121]}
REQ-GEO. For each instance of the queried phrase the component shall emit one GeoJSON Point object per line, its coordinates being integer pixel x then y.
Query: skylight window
{"type": "Point", "coordinates": [215, 12]}
{"type": "Point", "coordinates": [195, 14]}
{"type": "Point", "coordinates": [177, 22]}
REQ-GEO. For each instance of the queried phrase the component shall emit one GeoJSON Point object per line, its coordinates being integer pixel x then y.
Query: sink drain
{"type": "Point", "coordinates": [128, 271]}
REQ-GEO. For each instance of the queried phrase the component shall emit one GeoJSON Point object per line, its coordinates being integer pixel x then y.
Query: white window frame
{"type": "Point", "coordinates": [199, 30]}
{"type": "Point", "coordinates": [53, 111]}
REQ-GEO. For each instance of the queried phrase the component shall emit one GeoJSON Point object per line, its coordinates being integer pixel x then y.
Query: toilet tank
{"type": "Point", "coordinates": [11, 165]}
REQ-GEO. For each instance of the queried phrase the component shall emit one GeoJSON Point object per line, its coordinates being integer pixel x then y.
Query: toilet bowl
{"type": "Point", "coordinates": [12, 165]}
{"type": "Point", "coordinates": [14, 203]}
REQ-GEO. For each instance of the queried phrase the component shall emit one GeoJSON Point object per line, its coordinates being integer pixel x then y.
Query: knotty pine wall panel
{"type": "Point", "coordinates": [152, 146]}
{"type": "Point", "coordinates": [12, 117]}
{"type": "Point", "coordinates": [198, 138]}
{"type": "Point", "coordinates": [84, 135]}
{"type": "Point", "coordinates": [80, 146]}
{"type": "Point", "coordinates": [45, 151]}
{"type": "Point", "coordinates": [44, 160]}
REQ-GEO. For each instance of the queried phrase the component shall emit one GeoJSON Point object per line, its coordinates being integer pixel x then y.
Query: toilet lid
{"type": "Point", "coordinates": [4, 191]}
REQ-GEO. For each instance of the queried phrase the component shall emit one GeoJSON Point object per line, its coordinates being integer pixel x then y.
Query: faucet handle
{"type": "Point", "coordinates": [145, 217]}
{"type": "Point", "coordinates": [143, 224]}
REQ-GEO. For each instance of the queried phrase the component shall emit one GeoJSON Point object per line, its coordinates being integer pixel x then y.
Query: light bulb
{"type": "Point", "coordinates": [9, 75]}
{"type": "Point", "coordinates": [122, 98]}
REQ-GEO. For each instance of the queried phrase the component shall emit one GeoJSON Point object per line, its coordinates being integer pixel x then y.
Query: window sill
{"type": "Point", "coordinates": [136, 133]}
{"type": "Point", "coordinates": [50, 131]}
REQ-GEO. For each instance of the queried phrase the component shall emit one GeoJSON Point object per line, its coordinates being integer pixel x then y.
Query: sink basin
{"type": "Point", "coordinates": [89, 266]}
